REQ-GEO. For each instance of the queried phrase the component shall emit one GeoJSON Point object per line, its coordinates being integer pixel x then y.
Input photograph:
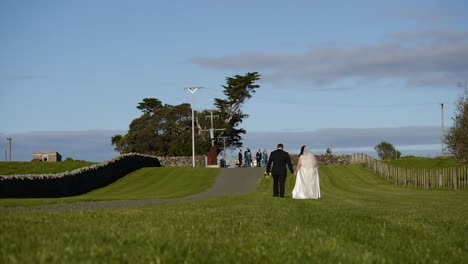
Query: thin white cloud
{"type": "Point", "coordinates": [430, 36]}
{"type": "Point", "coordinates": [434, 59]}
{"type": "Point", "coordinates": [433, 17]}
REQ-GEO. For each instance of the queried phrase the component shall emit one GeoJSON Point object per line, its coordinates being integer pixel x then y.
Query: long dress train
{"type": "Point", "coordinates": [307, 179]}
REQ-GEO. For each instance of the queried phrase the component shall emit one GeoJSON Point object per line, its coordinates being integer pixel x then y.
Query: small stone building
{"type": "Point", "coordinates": [47, 156]}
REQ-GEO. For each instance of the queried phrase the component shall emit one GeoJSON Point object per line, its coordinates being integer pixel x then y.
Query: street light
{"type": "Point", "coordinates": [442, 127]}
{"type": "Point", "coordinates": [9, 139]}
{"type": "Point", "coordinates": [193, 90]}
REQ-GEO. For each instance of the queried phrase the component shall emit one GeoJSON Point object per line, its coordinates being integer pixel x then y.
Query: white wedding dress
{"type": "Point", "coordinates": [307, 179]}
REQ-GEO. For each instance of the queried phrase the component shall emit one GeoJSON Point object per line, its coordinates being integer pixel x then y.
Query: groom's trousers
{"type": "Point", "coordinates": [279, 181]}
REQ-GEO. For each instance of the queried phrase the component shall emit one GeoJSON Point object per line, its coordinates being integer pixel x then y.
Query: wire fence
{"type": "Point", "coordinates": [424, 178]}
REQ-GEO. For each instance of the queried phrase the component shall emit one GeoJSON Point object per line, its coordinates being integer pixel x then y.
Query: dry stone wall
{"type": "Point", "coordinates": [200, 161]}
{"type": "Point", "coordinates": [74, 182]}
{"type": "Point", "coordinates": [185, 161]}
{"type": "Point", "coordinates": [327, 159]}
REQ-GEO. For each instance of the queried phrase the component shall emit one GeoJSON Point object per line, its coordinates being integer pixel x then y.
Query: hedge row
{"type": "Point", "coordinates": [74, 182]}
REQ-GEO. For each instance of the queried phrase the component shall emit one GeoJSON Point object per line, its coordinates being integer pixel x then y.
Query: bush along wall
{"type": "Point", "coordinates": [74, 182]}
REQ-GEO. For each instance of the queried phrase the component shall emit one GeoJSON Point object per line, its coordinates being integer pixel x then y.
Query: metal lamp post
{"type": "Point", "coordinates": [9, 139]}
{"type": "Point", "coordinates": [442, 127]}
{"type": "Point", "coordinates": [193, 90]}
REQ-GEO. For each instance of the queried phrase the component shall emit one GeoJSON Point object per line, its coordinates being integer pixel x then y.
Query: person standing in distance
{"type": "Point", "coordinates": [258, 157]}
{"type": "Point", "coordinates": [264, 158]}
{"type": "Point", "coordinates": [279, 159]}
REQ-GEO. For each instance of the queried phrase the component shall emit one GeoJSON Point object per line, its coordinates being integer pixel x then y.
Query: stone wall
{"type": "Point", "coordinates": [75, 182]}
{"type": "Point", "coordinates": [327, 159]}
{"type": "Point", "coordinates": [185, 161]}
{"type": "Point", "coordinates": [200, 160]}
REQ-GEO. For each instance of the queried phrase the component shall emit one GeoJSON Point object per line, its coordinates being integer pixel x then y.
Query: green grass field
{"type": "Point", "coordinates": [419, 162]}
{"type": "Point", "coordinates": [361, 218]}
{"type": "Point", "coordinates": [157, 183]}
{"type": "Point", "coordinates": [23, 168]}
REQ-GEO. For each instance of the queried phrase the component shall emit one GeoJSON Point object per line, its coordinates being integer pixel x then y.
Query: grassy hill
{"type": "Point", "coordinates": [146, 183]}
{"type": "Point", "coordinates": [419, 162]}
{"type": "Point", "coordinates": [157, 183]}
{"type": "Point", "coordinates": [361, 218]}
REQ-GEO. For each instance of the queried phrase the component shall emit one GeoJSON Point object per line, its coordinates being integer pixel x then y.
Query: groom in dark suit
{"type": "Point", "coordinates": [279, 158]}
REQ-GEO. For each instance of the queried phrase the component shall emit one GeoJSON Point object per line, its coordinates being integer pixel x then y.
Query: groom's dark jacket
{"type": "Point", "coordinates": [280, 159]}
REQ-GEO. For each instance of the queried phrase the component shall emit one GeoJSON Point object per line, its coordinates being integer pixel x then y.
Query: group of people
{"type": "Point", "coordinates": [246, 160]}
{"type": "Point", "coordinates": [307, 184]}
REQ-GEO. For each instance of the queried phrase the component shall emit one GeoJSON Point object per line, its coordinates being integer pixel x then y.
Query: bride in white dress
{"type": "Point", "coordinates": [307, 177]}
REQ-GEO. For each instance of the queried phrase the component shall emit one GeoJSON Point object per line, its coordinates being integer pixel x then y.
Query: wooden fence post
{"type": "Point", "coordinates": [424, 178]}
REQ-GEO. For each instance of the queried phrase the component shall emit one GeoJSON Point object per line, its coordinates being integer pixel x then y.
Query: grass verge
{"type": "Point", "coordinates": [24, 168]}
{"type": "Point", "coordinates": [419, 162]}
{"type": "Point", "coordinates": [361, 218]}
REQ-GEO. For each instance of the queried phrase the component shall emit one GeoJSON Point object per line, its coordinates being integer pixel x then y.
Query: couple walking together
{"type": "Point", "coordinates": [307, 177]}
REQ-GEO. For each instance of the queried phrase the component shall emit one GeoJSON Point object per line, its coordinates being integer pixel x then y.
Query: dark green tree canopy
{"type": "Point", "coordinates": [161, 130]}
{"type": "Point", "coordinates": [386, 151]}
{"type": "Point", "coordinates": [457, 137]}
{"type": "Point", "coordinates": [149, 105]}
{"type": "Point", "coordinates": [165, 130]}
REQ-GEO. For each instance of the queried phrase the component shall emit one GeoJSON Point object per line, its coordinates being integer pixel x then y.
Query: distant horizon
{"type": "Point", "coordinates": [95, 145]}
{"type": "Point", "coordinates": [418, 151]}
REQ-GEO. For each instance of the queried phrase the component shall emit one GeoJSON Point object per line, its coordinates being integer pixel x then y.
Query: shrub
{"type": "Point", "coordinates": [386, 151]}
{"type": "Point", "coordinates": [457, 137]}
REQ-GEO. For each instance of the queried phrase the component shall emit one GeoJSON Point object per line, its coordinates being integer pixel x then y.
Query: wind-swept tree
{"type": "Point", "coordinates": [165, 130]}
{"type": "Point", "coordinates": [237, 90]}
{"type": "Point", "coordinates": [457, 137]}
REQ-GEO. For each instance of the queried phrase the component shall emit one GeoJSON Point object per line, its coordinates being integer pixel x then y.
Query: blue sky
{"type": "Point", "coordinates": [71, 66]}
